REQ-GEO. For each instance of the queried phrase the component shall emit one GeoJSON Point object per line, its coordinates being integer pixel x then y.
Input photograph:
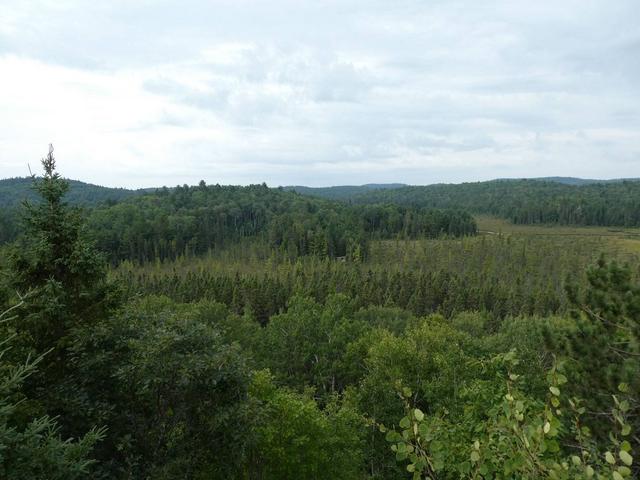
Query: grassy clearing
{"type": "Point", "coordinates": [616, 242]}
{"type": "Point", "coordinates": [498, 225]}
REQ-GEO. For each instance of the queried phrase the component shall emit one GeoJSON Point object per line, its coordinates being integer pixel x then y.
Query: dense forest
{"type": "Point", "coordinates": [13, 191]}
{"type": "Point", "coordinates": [196, 219]}
{"type": "Point", "coordinates": [188, 220]}
{"type": "Point", "coordinates": [532, 201]}
{"type": "Point", "coordinates": [345, 192]}
{"type": "Point", "coordinates": [342, 192]}
{"type": "Point", "coordinates": [254, 333]}
{"type": "Point", "coordinates": [145, 224]}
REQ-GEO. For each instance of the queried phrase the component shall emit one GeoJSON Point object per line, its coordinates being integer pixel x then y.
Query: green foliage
{"type": "Point", "coordinates": [187, 220]}
{"type": "Point", "coordinates": [525, 201]}
{"type": "Point", "coordinates": [294, 439]}
{"type": "Point", "coordinates": [306, 345]}
{"type": "Point", "coordinates": [342, 192]}
{"type": "Point", "coordinates": [605, 347]}
{"type": "Point", "coordinates": [55, 261]}
{"type": "Point", "coordinates": [436, 363]}
{"type": "Point", "coordinates": [308, 327]}
{"type": "Point", "coordinates": [431, 358]}
{"type": "Point", "coordinates": [13, 191]}
{"type": "Point", "coordinates": [520, 437]}
{"type": "Point", "coordinates": [62, 280]}
{"type": "Point", "coordinates": [31, 448]}
{"type": "Point", "coordinates": [171, 389]}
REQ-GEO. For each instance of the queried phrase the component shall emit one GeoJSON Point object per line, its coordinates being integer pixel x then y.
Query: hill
{"type": "Point", "coordinates": [525, 201]}
{"type": "Point", "coordinates": [577, 181]}
{"type": "Point", "coordinates": [169, 223]}
{"type": "Point", "coordinates": [13, 191]}
{"type": "Point", "coordinates": [342, 192]}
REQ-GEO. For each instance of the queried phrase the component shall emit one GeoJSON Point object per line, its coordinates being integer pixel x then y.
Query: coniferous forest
{"type": "Point", "coordinates": [474, 331]}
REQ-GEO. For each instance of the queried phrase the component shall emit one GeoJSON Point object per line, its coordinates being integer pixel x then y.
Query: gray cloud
{"type": "Point", "coordinates": [321, 92]}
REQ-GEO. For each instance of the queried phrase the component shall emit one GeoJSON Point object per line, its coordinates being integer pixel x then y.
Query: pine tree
{"type": "Point", "coordinates": [605, 348]}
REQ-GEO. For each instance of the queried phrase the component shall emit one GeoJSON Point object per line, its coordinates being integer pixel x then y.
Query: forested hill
{"type": "Point", "coordinates": [347, 192]}
{"type": "Point", "coordinates": [585, 181]}
{"type": "Point", "coordinates": [14, 190]}
{"type": "Point", "coordinates": [195, 219]}
{"type": "Point", "coordinates": [343, 192]}
{"type": "Point", "coordinates": [172, 221]}
{"type": "Point", "coordinates": [525, 201]}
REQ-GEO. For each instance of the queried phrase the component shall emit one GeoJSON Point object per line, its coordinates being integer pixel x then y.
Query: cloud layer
{"type": "Point", "coordinates": [334, 92]}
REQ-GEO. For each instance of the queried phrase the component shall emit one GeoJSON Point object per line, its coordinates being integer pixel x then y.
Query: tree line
{"type": "Point", "coordinates": [525, 201]}
{"type": "Point", "coordinates": [194, 220]}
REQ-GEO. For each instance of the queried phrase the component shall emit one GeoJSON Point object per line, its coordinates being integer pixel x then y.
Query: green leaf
{"type": "Point", "coordinates": [411, 467]}
{"type": "Point", "coordinates": [624, 471]}
{"type": "Point", "coordinates": [617, 476]}
{"type": "Point", "coordinates": [609, 458]}
{"type": "Point", "coordinates": [475, 456]}
{"type": "Point", "coordinates": [555, 391]}
{"type": "Point", "coordinates": [418, 414]}
{"type": "Point", "coordinates": [626, 430]}
{"type": "Point", "coordinates": [393, 436]}
{"type": "Point", "coordinates": [552, 446]}
{"type": "Point", "coordinates": [625, 457]}
{"type": "Point", "coordinates": [405, 422]}
{"type": "Point", "coordinates": [623, 387]}
{"type": "Point", "coordinates": [464, 467]}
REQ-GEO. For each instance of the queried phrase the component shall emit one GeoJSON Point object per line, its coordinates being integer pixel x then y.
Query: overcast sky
{"type": "Point", "coordinates": [147, 93]}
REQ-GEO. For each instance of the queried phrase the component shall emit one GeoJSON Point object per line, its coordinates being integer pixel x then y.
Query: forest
{"type": "Point", "coordinates": [527, 201]}
{"type": "Point", "coordinates": [474, 331]}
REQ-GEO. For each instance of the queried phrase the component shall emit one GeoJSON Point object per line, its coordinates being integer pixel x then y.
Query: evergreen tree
{"type": "Point", "coordinates": [55, 259]}
{"type": "Point", "coordinates": [605, 348]}
{"type": "Point", "coordinates": [31, 448]}
{"type": "Point", "coordinates": [65, 277]}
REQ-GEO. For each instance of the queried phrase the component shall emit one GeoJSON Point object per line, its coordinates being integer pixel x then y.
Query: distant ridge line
{"type": "Point", "coordinates": [16, 189]}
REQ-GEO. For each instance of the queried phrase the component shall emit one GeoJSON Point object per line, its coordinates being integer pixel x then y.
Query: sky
{"type": "Point", "coordinates": [139, 93]}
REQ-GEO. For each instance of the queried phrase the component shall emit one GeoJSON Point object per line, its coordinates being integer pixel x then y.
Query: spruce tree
{"type": "Point", "coordinates": [31, 448]}
{"type": "Point", "coordinates": [58, 270]}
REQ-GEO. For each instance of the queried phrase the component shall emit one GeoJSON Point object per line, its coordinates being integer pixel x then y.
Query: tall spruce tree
{"type": "Point", "coordinates": [58, 264]}
{"type": "Point", "coordinates": [63, 280]}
